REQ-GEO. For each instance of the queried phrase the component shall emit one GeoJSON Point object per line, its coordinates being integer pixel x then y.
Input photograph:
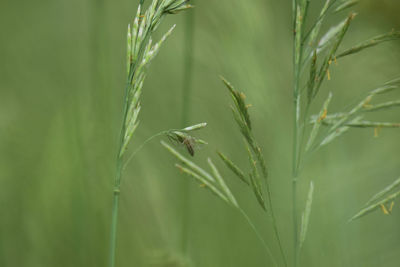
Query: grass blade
{"type": "Point", "coordinates": [373, 207]}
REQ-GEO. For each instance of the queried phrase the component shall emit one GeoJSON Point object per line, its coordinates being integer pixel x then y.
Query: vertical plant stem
{"type": "Point", "coordinates": [297, 55]}
{"type": "Point", "coordinates": [186, 95]}
{"type": "Point", "coordinates": [117, 183]}
{"type": "Point", "coordinates": [114, 217]}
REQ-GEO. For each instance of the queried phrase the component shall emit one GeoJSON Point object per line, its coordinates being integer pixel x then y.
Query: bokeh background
{"type": "Point", "coordinates": [62, 75]}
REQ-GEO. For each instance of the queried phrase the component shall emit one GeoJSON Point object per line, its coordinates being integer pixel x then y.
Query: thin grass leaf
{"type": "Point", "coordinates": [386, 190]}
{"type": "Point", "coordinates": [375, 206]}
{"type": "Point", "coordinates": [391, 36]}
{"type": "Point", "coordinates": [345, 5]}
{"type": "Point", "coordinates": [305, 218]}
{"type": "Point", "coordinates": [222, 184]}
{"type": "Point", "coordinates": [204, 181]}
{"type": "Point", "coordinates": [188, 162]}
{"type": "Point", "coordinates": [322, 115]}
{"type": "Point", "coordinates": [233, 167]}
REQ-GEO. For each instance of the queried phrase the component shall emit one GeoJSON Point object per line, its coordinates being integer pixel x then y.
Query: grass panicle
{"type": "Point", "coordinates": [316, 51]}
{"type": "Point", "coordinates": [140, 52]}
{"type": "Point", "coordinates": [216, 185]}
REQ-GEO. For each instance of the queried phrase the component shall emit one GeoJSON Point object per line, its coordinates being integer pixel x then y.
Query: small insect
{"type": "Point", "coordinates": [186, 140]}
{"type": "Point", "coordinates": [189, 144]}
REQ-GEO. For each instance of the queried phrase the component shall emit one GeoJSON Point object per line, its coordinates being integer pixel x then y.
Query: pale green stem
{"type": "Point", "coordinates": [117, 181]}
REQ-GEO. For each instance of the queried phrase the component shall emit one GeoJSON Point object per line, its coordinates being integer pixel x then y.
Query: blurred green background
{"type": "Point", "coordinates": [61, 90]}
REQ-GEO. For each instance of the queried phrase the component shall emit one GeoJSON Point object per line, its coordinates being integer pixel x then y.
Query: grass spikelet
{"type": "Point", "coordinates": [312, 78]}
{"type": "Point", "coordinates": [383, 106]}
{"type": "Point", "coordinates": [342, 29]}
{"type": "Point", "coordinates": [203, 181]}
{"type": "Point", "coordinates": [383, 192]}
{"type": "Point", "coordinates": [374, 206]}
{"type": "Point", "coordinates": [233, 167]}
{"type": "Point", "coordinates": [188, 162]}
{"type": "Point", "coordinates": [338, 132]}
{"type": "Point", "coordinates": [345, 5]}
{"type": "Point", "coordinates": [140, 52]}
{"type": "Point", "coordinates": [255, 180]}
{"type": "Point", "coordinates": [322, 115]}
{"type": "Point", "coordinates": [238, 99]}
{"type": "Point", "coordinates": [391, 36]}
{"type": "Point", "coordinates": [305, 218]}
{"type": "Point", "coordinates": [214, 182]}
{"type": "Point", "coordinates": [222, 183]}
{"type": "Point", "coordinates": [315, 29]}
